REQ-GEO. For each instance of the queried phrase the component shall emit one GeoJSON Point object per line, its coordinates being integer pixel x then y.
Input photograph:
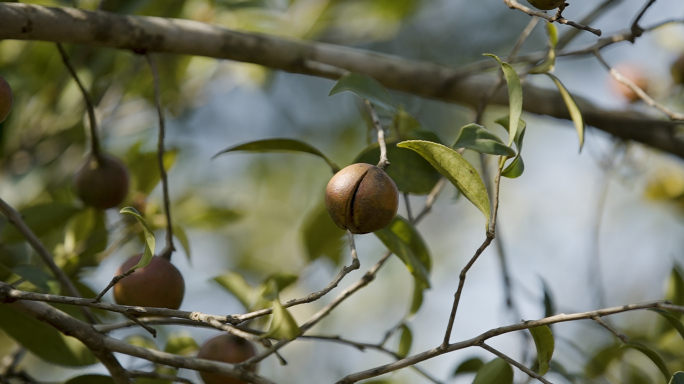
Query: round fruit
{"type": "Point", "coordinates": [6, 99]}
{"type": "Point", "coordinates": [677, 70]}
{"type": "Point", "coordinates": [546, 5]}
{"type": "Point", "coordinates": [102, 182]}
{"type": "Point", "coordinates": [361, 198]}
{"type": "Point", "coordinates": [158, 284]}
{"type": "Point", "coordinates": [229, 349]}
{"type": "Point", "coordinates": [635, 75]}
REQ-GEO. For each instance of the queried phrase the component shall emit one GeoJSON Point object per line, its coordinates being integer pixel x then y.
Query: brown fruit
{"type": "Point", "coordinates": [635, 75]}
{"type": "Point", "coordinates": [102, 184]}
{"type": "Point", "coordinates": [677, 70]}
{"type": "Point", "coordinates": [361, 198]}
{"type": "Point", "coordinates": [159, 284]}
{"type": "Point", "coordinates": [6, 99]}
{"type": "Point", "coordinates": [546, 5]}
{"type": "Point", "coordinates": [229, 349]}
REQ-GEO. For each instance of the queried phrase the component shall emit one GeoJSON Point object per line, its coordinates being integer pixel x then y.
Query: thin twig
{"type": "Point", "coordinates": [624, 338]}
{"type": "Point", "coordinates": [15, 218]}
{"type": "Point", "coordinates": [364, 346]}
{"type": "Point", "coordinates": [593, 15]}
{"type": "Point", "coordinates": [516, 364]}
{"type": "Point", "coordinates": [94, 136]}
{"type": "Point", "coordinates": [169, 248]}
{"type": "Point", "coordinates": [365, 280]}
{"type": "Point", "coordinates": [557, 18]}
{"type": "Point", "coordinates": [478, 340]}
{"type": "Point", "coordinates": [383, 163]}
{"type": "Point", "coordinates": [637, 90]}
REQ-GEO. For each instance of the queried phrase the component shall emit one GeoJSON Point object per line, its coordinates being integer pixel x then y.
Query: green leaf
{"type": "Point", "coordinates": [234, 283]}
{"type": "Point", "coordinates": [651, 354]}
{"type": "Point", "coordinates": [549, 305]}
{"type": "Point", "coordinates": [456, 169]}
{"type": "Point", "coordinates": [276, 145]}
{"type": "Point", "coordinates": [496, 371]}
{"type": "Point", "coordinates": [677, 378]}
{"type": "Point", "coordinates": [402, 238]}
{"type": "Point", "coordinates": [515, 96]}
{"type": "Point", "coordinates": [90, 379]}
{"type": "Point", "coordinates": [549, 62]}
{"type": "Point", "coordinates": [38, 277]}
{"type": "Point", "coordinates": [144, 167]}
{"type": "Point", "coordinates": [675, 287]}
{"type": "Point", "coordinates": [366, 87]}
{"type": "Point", "coordinates": [180, 344]}
{"type": "Point", "coordinates": [469, 366]}
{"type": "Point", "coordinates": [478, 138]}
{"type": "Point", "coordinates": [598, 363]}
{"type": "Point", "coordinates": [41, 218]}
{"type": "Point", "coordinates": [321, 237]}
{"type": "Point", "coordinates": [142, 341]}
{"type": "Point", "coordinates": [516, 167]}
{"type": "Point", "coordinates": [276, 283]}
{"type": "Point", "coordinates": [672, 319]}
{"type": "Point", "coordinates": [543, 340]}
{"type": "Point", "coordinates": [43, 340]}
{"type": "Point", "coordinates": [182, 237]}
{"type": "Point", "coordinates": [283, 326]}
{"type": "Point", "coordinates": [409, 171]}
{"type": "Point", "coordinates": [405, 341]}
{"type": "Point", "coordinates": [573, 109]}
{"type": "Point", "coordinates": [149, 237]}
{"type": "Point", "coordinates": [417, 298]}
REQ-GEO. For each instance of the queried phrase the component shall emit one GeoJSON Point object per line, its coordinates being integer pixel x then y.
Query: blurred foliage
{"type": "Point", "coordinates": [283, 227]}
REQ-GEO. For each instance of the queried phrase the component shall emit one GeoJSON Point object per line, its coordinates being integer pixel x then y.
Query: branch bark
{"type": "Point", "coordinates": [186, 37]}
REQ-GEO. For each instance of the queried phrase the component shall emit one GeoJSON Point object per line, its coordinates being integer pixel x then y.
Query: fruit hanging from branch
{"type": "Point", "coordinates": [159, 284]}
{"type": "Point", "coordinates": [361, 198]}
{"type": "Point", "coordinates": [229, 349]}
{"type": "Point", "coordinates": [102, 181]}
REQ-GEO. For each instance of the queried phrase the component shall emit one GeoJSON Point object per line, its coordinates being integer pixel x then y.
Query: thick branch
{"type": "Point", "coordinates": [186, 37]}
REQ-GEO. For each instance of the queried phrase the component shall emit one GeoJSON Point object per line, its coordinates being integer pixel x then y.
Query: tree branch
{"type": "Point", "coordinates": [186, 37]}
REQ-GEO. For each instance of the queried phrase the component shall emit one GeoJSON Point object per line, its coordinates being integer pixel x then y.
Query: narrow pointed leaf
{"type": "Point", "coordinates": [149, 237]}
{"type": "Point", "coordinates": [516, 167]}
{"type": "Point", "coordinates": [234, 283]}
{"type": "Point", "coordinates": [456, 169]}
{"type": "Point", "coordinates": [550, 61]}
{"type": "Point", "coordinates": [496, 371]}
{"type": "Point", "coordinates": [366, 87]}
{"type": "Point", "coordinates": [405, 341]}
{"type": "Point", "coordinates": [279, 145]}
{"type": "Point", "coordinates": [469, 366]}
{"type": "Point", "coordinates": [478, 138]}
{"type": "Point", "coordinates": [573, 109]}
{"type": "Point", "coordinates": [543, 340]}
{"type": "Point", "coordinates": [653, 355]}
{"type": "Point", "coordinates": [515, 95]}
{"type": "Point", "coordinates": [43, 340]}
{"type": "Point", "coordinates": [321, 237]}
{"type": "Point", "coordinates": [182, 237]}
{"type": "Point", "coordinates": [283, 326]}
{"type": "Point", "coordinates": [402, 238]}
{"type": "Point", "coordinates": [672, 319]}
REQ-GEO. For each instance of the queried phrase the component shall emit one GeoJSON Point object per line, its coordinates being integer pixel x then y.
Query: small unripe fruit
{"type": "Point", "coordinates": [546, 5]}
{"type": "Point", "coordinates": [102, 183]}
{"type": "Point", "coordinates": [6, 99]}
{"type": "Point", "coordinates": [677, 70]}
{"type": "Point", "coordinates": [361, 198]}
{"type": "Point", "coordinates": [158, 284]}
{"type": "Point", "coordinates": [229, 349]}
